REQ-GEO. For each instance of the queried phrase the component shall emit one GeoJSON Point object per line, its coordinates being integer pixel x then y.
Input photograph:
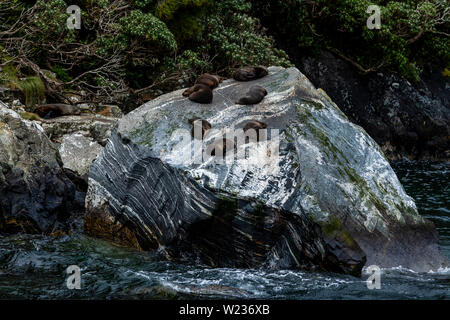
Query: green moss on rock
{"type": "Point", "coordinates": [333, 229]}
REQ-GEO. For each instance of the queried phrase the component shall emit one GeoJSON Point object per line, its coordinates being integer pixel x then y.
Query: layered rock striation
{"type": "Point", "coordinates": [318, 193]}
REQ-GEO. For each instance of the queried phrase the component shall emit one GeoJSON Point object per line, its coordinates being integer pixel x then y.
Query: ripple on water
{"type": "Point", "coordinates": [34, 267]}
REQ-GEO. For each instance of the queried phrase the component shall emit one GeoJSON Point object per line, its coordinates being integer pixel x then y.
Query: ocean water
{"type": "Point", "coordinates": [34, 267]}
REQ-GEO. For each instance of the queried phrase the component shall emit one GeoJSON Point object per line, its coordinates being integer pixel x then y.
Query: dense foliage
{"type": "Point", "coordinates": [128, 48]}
{"type": "Point", "coordinates": [413, 32]}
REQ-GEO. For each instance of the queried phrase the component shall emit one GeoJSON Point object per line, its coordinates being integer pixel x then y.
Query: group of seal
{"type": "Point", "coordinates": [256, 93]}
{"type": "Point", "coordinates": [201, 92]}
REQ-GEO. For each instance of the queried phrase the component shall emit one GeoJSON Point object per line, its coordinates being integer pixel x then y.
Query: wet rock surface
{"type": "Point", "coordinates": [406, 119]}
{"type": "Point", "coordinates": [36, 196]}
{"type": "Point", "coordinates": [326, 199]}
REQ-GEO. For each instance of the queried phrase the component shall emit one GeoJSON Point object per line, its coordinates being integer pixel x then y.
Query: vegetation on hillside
{"type": "Point", "coordinates": [413, 32]}
{"type": "Point", "coordinates": [129, 48]}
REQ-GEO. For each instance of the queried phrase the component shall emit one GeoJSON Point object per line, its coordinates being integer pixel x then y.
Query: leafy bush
{"type": "Point", "coordinates": [125, 47]}
{"type": "Point", "coordinates": [414, 32]}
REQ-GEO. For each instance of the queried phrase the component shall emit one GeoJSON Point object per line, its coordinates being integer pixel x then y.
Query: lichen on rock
{"type": "Point", "coordinates": [318, 194]}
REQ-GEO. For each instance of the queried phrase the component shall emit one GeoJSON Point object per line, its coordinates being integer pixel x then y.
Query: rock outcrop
{"type": "Point", "coordinates": [95, 127]}
{"type": "Point", "coordinates": [406, 119]}
{"type": "Point", "coordinates": [319, 193]}
{"type": "Point", "coordinates": [77, 153]}
{"type": "Point", "coordinates": [36, 196]}
{"type": "Point", "coordinates": [79, 139]}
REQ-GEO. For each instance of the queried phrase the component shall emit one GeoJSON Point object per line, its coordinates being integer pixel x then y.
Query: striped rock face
{"type": "Point", "coordinates": [314, 192]}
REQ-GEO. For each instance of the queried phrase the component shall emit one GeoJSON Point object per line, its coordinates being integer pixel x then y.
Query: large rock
{"type": "Point", "coordinates": [327, 198]}
{"type": "Point", "coordinates": [35, 194]}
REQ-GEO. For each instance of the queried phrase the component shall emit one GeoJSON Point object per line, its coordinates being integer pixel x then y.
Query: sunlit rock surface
{"type": "Point", "coordinates": [318, 194]}
{"type": "Point", "coordinates": [77, 152]}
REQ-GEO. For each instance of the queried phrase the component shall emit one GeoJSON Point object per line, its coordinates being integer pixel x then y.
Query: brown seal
{"type": "Point", "coordinates": [255, 125]}
{"type": "Point", "coordinates": [200, 93]}
{"type": "Point", "coordinates": [253, 96]}
{"type": "Point", "coordinates": [223, 145]}
{"type": "Point", "coordinates": [210, 80]}
{"type": "Point", "coordinates": [205, 125]}
{"type": "Point", "coordinates": [56, 110]}
{"type": "Point", "coordinates": [204, 82]}
{"type": "Point", "coordinates": [250, 73]}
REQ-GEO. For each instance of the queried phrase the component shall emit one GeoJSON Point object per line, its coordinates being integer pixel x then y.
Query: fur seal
{"type": "Point", "coordinates": [48, 111]}
{"type": "Point", "coordinates": [204, 82]}
{"type": "Point", "coordinates": [210, 80]}
{"type": "Point", "coordinates": [253, 96]}
{"type": "Point", "coordinates": [200, 93]}
{"type": "Point", "coordinates": [224, 145]}
{"type": "Point", "coordinates": [250, 73]}
{"type": "Point", "coordinates": [204, 124]}
{"type": "Point", "coordinates": [255, 125]}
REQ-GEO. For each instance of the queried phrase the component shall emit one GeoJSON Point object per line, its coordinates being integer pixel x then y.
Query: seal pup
{"type": "Point", "coordinates": [205, 125]}
{"type": "Point", "coordinates": [48, 111]}
{"type": "Point", "coordinates": [250, 73]}
{"type": "Point", "coordinates": [255, 125]}
{"type": "Point", "coordinates": [253, 96]}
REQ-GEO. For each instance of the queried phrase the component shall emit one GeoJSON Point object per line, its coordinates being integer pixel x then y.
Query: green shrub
{"type": "Point", "coordinates": [125, 45]}
{"type": "Point", "coordinates": [413, 33]}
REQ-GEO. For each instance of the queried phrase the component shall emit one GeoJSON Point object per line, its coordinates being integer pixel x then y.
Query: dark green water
{"type": "Point", "coordinates": [34, 267]}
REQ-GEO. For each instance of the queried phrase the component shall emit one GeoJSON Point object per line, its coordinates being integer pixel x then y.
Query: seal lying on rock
{"type": "Point", "coordinates": [210, 80]}
{"type": "Point", "coordinates": [204, 124]}
{"type": "Point", "coordinates": [56, 110]}
{"type": "Point", "coordinates": [201, 92]}
{"type": "Point", "coordinates": [255, 125]}
{"type": "Point", "coordinates": [250, 73]}
{"type": "Point", "coordinates": [253, 96]}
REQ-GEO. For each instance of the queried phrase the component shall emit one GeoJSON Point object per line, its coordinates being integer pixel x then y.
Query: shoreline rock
{"type": "Point", "coordinates": [330, 201]}
{"type": "Point", "coordinates": [36, 196]}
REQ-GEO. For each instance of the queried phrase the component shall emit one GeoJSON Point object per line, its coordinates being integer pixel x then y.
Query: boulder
{"type": "Point", "coordinates": [318, 193]}
{"type": "Point", "coordinates": [36, 196]}
{"type": "Point", "coordinates": [77, 153]}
